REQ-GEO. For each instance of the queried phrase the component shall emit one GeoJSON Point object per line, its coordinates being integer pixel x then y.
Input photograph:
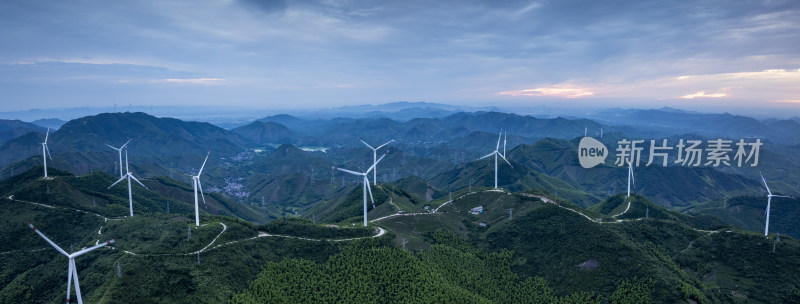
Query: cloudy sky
{"type": "Point", "coordinates": [289, 54]}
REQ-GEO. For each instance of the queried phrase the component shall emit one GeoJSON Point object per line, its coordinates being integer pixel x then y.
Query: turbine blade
{"type": "Point", "coordinates": [375, 164]}
{"type": "Point", "coordinates": [504, 158]}
{"type": "Point", "coordinates": [498, 141]}
{"type": "Point", "coordinates": [200, 186]}
{"type": "Point", "coordinates": [117, 182]}
{"type": "Point", "coordinates": [137, 180]}
{"type": "Point", "coordinates": [782, 196]}
{"type": "Point", "coordinates": [369, 189]}
{"type": "Point", "coordinates": [112, 147]}
{"type": "Point", "coordinates": [505, 138]}
{"type": "Point", "coordinates": [126, 143]}
{"type": "Point", "coordinates": [48, 240]}
{"type": "Point", "coordinates": [765, 183]}
{"type": "Point", "coordinates": [487, 155]}
{"type": "Point", "coordinates": [366, 144]}
{"type": "Point", "coordinates": [70, 268]}
{"type": "Point", "coordinates": [204, 164]}
{"type": "Point", "coordinates": [77, 283]}
{"type": "Point", "coordinates": [47, 135]}
{"type": "Point", "coordinates": [126, 162]}
{"type": "Point", "coordinates": [769, 202]}
{"type": "Point", "coordinates": [348, 171]}
{"type": "Point", "coordinates": [93, 248]}
{"type": "Point", "coordinates": [633, 178]}
{"type": "Point", "coordinates": [381, 146]}
{"type": "Point", "coordinates": [48, 152]}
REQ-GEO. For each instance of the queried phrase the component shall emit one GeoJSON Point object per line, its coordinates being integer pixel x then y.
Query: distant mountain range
{"type": "Point", "coordinates": [433, 131]}
{"type": "Point", "coordinates": [670, 121]}
{"type": "Point", "coordinates": [266, 132]}
{"type": "Point", "coordinates": [52, 123]}
{"type": "Point", "coordinates": [286, 172]}
{"type": "Point", "coordinates": [10, 129]}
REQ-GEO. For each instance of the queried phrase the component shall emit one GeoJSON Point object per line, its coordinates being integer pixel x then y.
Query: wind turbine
{"type": "Point", "coordinates": [197, 184]}
{"type": "Point", "coordinates": [769, 202]}
{"type": "Point", "coordinates": [129, 176]}
{"type": "Point", "coordinates": [120, 155]}
{"type": "Point", "coordinates": [630, 177]}
{"type": "Point", "coordinates": [46, 152]}
{"type": "Point", "coordinates": [496, 153]}
{"type": "Point", "coordinates": [72, 272]}
{"type": "Point", "coordinates": [366, 185]}
{"type": "Point", "coordinates": [374, 158]}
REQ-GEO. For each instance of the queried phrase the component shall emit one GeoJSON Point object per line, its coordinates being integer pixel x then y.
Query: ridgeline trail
{"type": "Point", "coordinates": [379, 230]}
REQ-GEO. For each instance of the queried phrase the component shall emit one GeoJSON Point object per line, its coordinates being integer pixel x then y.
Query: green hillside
{"type": "Point", "coordinates": [367, 272]}
{"type": "Point", "coordinates": [523, 247]}
{"type": "Point", "coordinates": [349, 208]}
{"type": "Point", "coordinates": [575, 253]}
{"type": "Point", "coordinates": [158, 260]}
{"type": "Point", "coordinates": [749, 212]}
{"type": "Point", "coordinates": [90, 193]}
{"type": "Point", "coordinates": [666, 186]}
{"type": "Point", "coordinates": [480, 173]}
{"type": "Point", "coordinates": [159, 256]}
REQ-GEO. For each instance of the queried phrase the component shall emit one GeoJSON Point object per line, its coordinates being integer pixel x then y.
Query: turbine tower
{"type": "Point", "coordinates": [129, 176]}
{"type": "Point", "coordinates": [197, 184]}
{"type": "Point", "coordinates": [630, 177]}
{"type": "Point", "coordinates": [497, 153]}
{"type": "Point", "coordinates": [72, 270]}
{"type": "Point", "coordinates": [374, 158]}
{"type": "Point", "coordinates": [120, 155]}
{"type": "Point", "coordinates": [769, 202]}
{"type": "Point", "coordinates": [366, 185]}
{"type": "Point", "coordinates": [46, 152]}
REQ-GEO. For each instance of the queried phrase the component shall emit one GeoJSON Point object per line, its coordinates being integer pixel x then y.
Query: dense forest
{"type": "Point", "coordinates": [450, 271]}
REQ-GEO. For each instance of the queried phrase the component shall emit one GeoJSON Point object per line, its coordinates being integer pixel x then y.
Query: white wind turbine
{"type": "Point", "coordinates": [129, 176]}
{"type": "Point", "coordinates": [769, 202]}
{"type": "Point", "coordinates": [631, 180]}
{"type": "Point", "coordinates": [46, 152]}
{"type": "Point", "coordinates": [72, 272]}
{"type": "Point", "coordinates": [366, 185]}
{"type": "Point", "coordinates": [374, 159]}
{"type": "Point", "coordinates": [120, 154]}
{"type": "Point", "coordinates": [197, 184]}
{"type": "Point", "coordinates": [496, 153]}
